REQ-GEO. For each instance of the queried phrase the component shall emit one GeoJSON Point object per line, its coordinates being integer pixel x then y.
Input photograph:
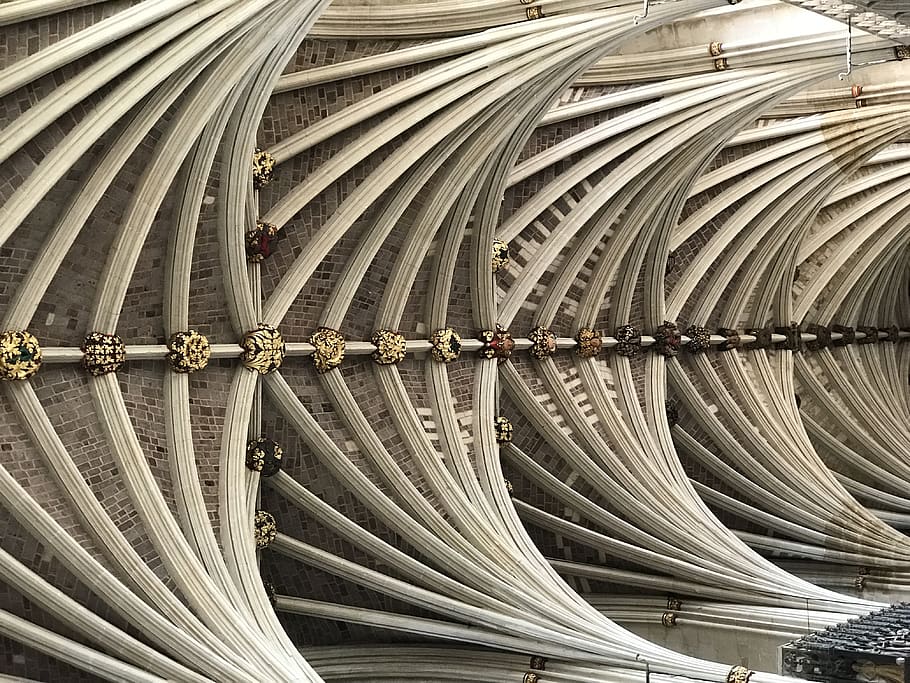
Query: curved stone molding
{"type": "Point", "coordinates": [628, 340]}
{"type": "Point", "coordinates": [391, 347]}
{"type": "Point", "coordinates": [264, 529]}
{"type": "Point", "coordinates": [497, 344]}
{"type": "Point", "coordinates": [102, 353]}
{"type": "Point", "coordinates": [699, 339]}
{"type": "Point", "coordinates": [504, 430]}
{"type": "Point", "coordinates": [260, 241]}
{"type": "Point", "coordinates": [20, 355]}
{"type": "Point", "coordinates": [500, 255]}
{"type": "Point", "coordinates": [329, 351]}
{"type": "Point", "coordinates": [264, 456]}
{"type": "Point", "coordinates": [627, 186]}
{"type": "Point", "coordinates": [589, 341]}
{"type": "Point", "coordinates": [263, 169]}
{"type": "Point", "coordinates": [667, 339]}
{"type": "Point", "coordinates": [188, 351]}
{"type": "Point", "coordinates": [543, 343]}
{"type": "Point", "coordinates": [263, 349]}
{"type": "Point", "coordinates": [446, 345]}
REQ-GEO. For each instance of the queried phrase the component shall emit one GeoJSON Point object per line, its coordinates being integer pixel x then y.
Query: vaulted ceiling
{"type": "Point", "coordinates": [365, 341]}
{"type": "Point", "coordinates": [888, 18]}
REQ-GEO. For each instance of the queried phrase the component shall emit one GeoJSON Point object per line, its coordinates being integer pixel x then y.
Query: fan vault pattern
{"type": "Point", "coordinates": [474, 334]}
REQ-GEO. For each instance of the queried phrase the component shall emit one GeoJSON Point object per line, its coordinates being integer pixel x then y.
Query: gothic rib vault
{"type": "Point", "coordinates": [531, 330]}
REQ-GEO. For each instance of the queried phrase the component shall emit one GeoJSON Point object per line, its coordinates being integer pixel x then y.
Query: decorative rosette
{"type": "Point", "coordinates": [20, 355]}
{"type": "Point", "coordinates": [893, 332]}
{"type": "Point", "coordinates": [848, 335]}
{"type": "Point", "coordinates": [870, 332]}
{"type": "Point", "coordinates": [446, 345]}
{"type": "Point", "coordinates": [699, 339]}
{"type": "Point", "coordinates": [667, 339]}
{"type": "Point", "coordinates": [509, 489]}
{"type": "Point", "coordinates": [739, 674]}
{"type": "Point", "coordinates": [263, 349]}
{"type": "Point", "coordinates": [530, 677]}
{"type": "Point", "coordinates": [497, 343]}
{"type": "Point", "coordinates": [762, 337]}
{"type": "Point", "coordinates": [589, 343]}
{"type": "Point", "coordinates": [543, 343]}
{"type": "Point", "coordinates": [102, 353]}
{"type": "Point", "coordinates": [672, 413]}
{"type": "Point", "coordinates": [822, 337]}
{"type": "Point", "coordinates": [391, 347]}
{"type": "Point", "coordinates": [500, 255]}
{"type": "Point", "coordinates": [668, 619]}
{"type": "Point", "coordinates": [263, 168]}
{"type": "Point", "coordinates": [538, 662]}
{"type": "Point", "coordinates": [260, 241]}
{"type": "Point", "coordinates": [264, 529]}
{"type": "Point", "coordinates": [731, 339]}
{"type": "Point", "coordinates": [628, 340]}
{"type": "Point", "coordinates": [329, 351]}
{"type": "Point", "coordinates": [503, 428]}
{"type": "Point", "coordinates": [264, 456]}
{"type": "Point", "coordinates": [792, 336]}
{"type": "Point", "coordinates": [674, 604]}
{"type": "Point", "coordinates": [188, 351]}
